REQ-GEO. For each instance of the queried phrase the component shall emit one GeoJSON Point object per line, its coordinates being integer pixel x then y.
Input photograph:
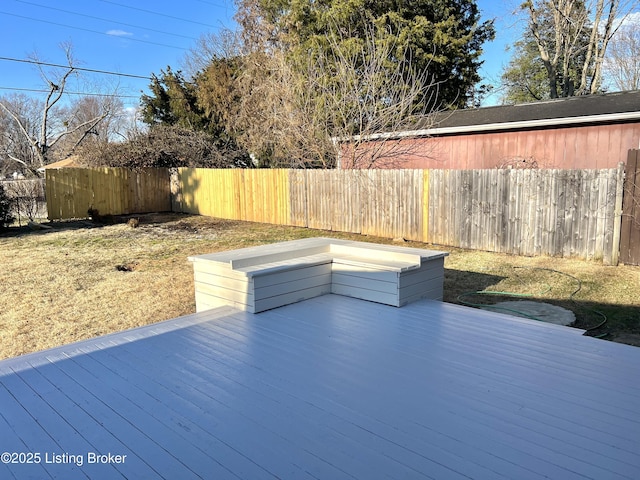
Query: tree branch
{"type": "Point", "coordinates": [93, 123]}
{"type": "Point", "coordinates": [22, 128]}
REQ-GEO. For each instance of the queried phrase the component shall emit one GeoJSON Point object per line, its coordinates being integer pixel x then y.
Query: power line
{"type": "Point", "coordinates": [213, 4]}
{"type": "Point", "coordinates": [105, 19]}
{"type": "Point", "coordinates": [89, 30]}
{"type": "Point", "coordinates": [92, 70]}
{"type": "Point", "coordinates": [70, 93]}
{"type": "Point", "coordinates": [156, 13]}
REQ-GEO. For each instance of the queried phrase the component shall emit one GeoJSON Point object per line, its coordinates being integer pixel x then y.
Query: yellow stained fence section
{"type": "Point", "coordinates": [71, 192]}
{"type": "Point", "coordinates": [237, 194]}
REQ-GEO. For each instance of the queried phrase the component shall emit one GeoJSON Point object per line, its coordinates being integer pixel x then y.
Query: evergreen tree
{"type": "Point", "coordinates": [525, 79]}
{"type": "Point", "coordinates": [6, 217]}
{"type": "Point", "coordinates": [197, 106]}
{"type": "Point", "coordinates": [443, 37]}
{"type": "Point", "coordinates": [173, 101]}
{"type": "Point", "coordinates": [217, 94]}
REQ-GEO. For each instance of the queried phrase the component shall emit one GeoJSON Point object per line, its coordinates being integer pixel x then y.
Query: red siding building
{"type": "Point", "coordinates": [593, 131]}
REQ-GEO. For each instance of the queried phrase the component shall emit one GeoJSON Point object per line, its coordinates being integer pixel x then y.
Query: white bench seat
{"type": "Point", "coordinates": [261, 278]}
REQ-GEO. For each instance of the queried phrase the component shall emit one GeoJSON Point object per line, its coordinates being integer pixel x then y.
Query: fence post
{"type": "Point", "coordinates": [617, 215]}
{"type": "Point", "coordinates": [425, 206]}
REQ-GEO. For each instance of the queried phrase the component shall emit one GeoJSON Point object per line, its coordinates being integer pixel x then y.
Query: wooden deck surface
{"type": "Point", "coordinates": [331, 388]}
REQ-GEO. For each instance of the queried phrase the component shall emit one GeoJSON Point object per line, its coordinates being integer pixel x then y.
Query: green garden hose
{"type": "Point", "coordinates": [529, 295]}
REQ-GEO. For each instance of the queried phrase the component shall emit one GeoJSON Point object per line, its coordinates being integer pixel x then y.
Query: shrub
{"type": "Point", "coordinates": [27, 197]}
{"type": "Point", "coordinates": [167, 146]}
{"type": "Point", "coordinates": [6, 218]}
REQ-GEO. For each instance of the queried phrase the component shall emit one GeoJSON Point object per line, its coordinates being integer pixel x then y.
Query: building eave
{"type": "Point", "coordinates": [494, 127]}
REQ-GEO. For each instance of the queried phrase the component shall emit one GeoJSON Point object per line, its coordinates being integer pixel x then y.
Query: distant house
{"type": "Point", "coordinates": [594, 131]}
{"type": "Point", "coordinates": [69, 162]}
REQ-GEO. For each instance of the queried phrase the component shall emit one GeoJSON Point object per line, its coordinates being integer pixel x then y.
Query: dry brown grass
{"type": "Point", "coordinates": [80, 280]}
{"type": "Point", "coordinates": [594, 292]}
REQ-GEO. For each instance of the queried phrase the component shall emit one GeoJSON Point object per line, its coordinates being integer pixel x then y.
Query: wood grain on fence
{"type": "Point", "coordinates": [238, 194]}
{"type": "Point", "coordinates": [71, 192]}
{"type": "Point", "coordinates": [630, 228]}
{"type": "Point", "coordinates": [386, 203]}
{"type": "Point", "coordinates": [567, 213]}
{"type": "Point", "coordinates": [570, 213]}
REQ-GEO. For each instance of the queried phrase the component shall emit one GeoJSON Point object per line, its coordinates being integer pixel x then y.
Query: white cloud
{"type": "Point", "coordinates": [119, 33]}
{"type": "Point", "coordinates": [629, 20]}
{"type": "Point", "coordinates": [633, 18]}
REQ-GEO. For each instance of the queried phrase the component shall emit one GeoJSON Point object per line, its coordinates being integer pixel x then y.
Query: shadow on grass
{"type": "Point", "coordinates": [620, 323]}
{"type": "Point", "coordinates": [457, 282]}
{"type": "Point", "coordinates": [45, 227]}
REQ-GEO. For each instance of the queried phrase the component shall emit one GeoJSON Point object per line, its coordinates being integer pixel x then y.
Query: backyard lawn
{"type": "Point", "coordinates": [79, 279]}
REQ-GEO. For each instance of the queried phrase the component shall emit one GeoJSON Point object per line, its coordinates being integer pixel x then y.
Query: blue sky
{"type": "Point", "coordinates": [141, 37]}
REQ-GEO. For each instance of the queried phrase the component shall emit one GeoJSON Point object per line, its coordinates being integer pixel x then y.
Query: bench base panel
{"type": "Point", "coordinates": [366, 277]}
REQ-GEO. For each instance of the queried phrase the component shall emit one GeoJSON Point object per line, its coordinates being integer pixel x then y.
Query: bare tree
{"type": "Point", "coordinates": [102, 119]}
{"type": "Point", "coordinates": [565, 30]}
{"type": "Point", "coordinates": [337, 104]}
{"type": "Point", "coordinates": [210, 47]}
{"type": "Point", "coordinates": [14, 144]}
{"type": "Point", "coordinates": [368, 108]}
{"type": "Point", "coordinates": [272, 118]}
{"type": "Point", "coordinates": [622, 63]}
{"type": "Point", "coordinates": [51, 128]}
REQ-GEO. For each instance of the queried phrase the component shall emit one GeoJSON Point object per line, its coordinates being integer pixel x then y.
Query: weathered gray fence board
{"type": "Point", "coordinates": [598, 198]}
{"type": "Point", "coordinates": [571, 201]}
{"type": "Point", "coordinates": [559, 226]}
{"type": "Point", "coordinates": [496, 208]}
{"type": "Point", "coordinates": [373, 196]}
{"type": "Point", "coordinates": [531, 203]}
{"type": "Point", "coordinates": [591, 205]}
{"type": "Point", "coordinates": [434, 190]}
{"type": "Point", "coordinates": [609, 220]}
{"type": "Point", "coordinates": [298, 198]}
{"type": "Point", "coordinates": [609, 216]}
{"type": "Point", "coordinates": [518, 222]}
{"type": "Point", "coordinates": [525, 212]}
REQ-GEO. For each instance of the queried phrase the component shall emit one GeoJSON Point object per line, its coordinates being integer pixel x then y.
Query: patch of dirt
{"type": "Point", "coordinates": [127, 267]}
{"type": "Point", "coordinates": [182, 226]}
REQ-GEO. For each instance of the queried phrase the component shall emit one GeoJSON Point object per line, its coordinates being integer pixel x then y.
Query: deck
{"type": "Point", "coordinates": [332, 387]}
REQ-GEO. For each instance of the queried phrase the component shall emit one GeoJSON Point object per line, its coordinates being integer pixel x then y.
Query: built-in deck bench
{"type": "Point", "coordinates": [269, 276]}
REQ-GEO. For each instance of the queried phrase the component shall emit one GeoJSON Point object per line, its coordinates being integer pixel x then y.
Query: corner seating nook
{"type": "Point", "coordinates": [260, 278]}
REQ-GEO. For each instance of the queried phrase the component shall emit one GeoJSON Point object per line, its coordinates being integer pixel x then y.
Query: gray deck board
{"type": "Point", "coordinates": [333, 387]}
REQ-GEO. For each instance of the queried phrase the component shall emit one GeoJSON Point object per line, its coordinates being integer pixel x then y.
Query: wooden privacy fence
{"type": "Point", "coordinates": [71, 192]}
{"type": "Point", "coordinates": [526, 212]}
{"type": "Point", "coordinates": [570, 213]}
{"type": "Point", "coordinates": [386, 203]}
{"type": "Point", "coordinates": [239, 194]}
{"type": "Point", "coordinates": [630, 230]}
